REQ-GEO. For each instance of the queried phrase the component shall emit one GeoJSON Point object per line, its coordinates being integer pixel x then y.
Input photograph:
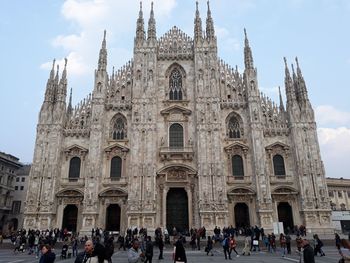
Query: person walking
{"type": "Point", "coordinates": [283, 244]}
{"type": "Point", "coordinates": [233, 245]}
{"type": "Point", "coordinates": [308, 254]}
{"type": "Point", "coordinates": [226, 246]}
{"type": "Point", "coordinates": [179, 251]}
{"type": "Point", "coordinates": [47, 255]}
{"type": "Point", "coordinates": [149, 250]}
{"type": "Point", "coordinates": [87, 254]}
{"type": "Point", "coordinates": [209, 246]}
{"type": "Point", "coordinates": [318, 246]}
{"type": "Point", "coordinates": [134, 255]}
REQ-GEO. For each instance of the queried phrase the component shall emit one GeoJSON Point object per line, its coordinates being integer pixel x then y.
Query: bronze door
{"type": "Point", "coordinates": [285, 215]}
{"type": "Point", "coordinates": [113, 218]}
{"type": "Point", "coordinates": [70, 218]}
{"type": "Point", "coordinates": [242, 215]}
{"type": "Point", "coordinates": [177, 210]}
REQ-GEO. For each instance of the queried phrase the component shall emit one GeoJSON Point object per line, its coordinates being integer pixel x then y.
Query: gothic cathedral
{"type": "Point", "coordinates": [177, 138]}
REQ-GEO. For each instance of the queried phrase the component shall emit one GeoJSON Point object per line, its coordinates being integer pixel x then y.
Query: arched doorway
{"type": "Point", "coordinates": [177, 210]}
{"type": "Point", "coordinates": [70, 218]}
{"type": "Point", "coordinates": [113, 217]}
{"type": "Point", "coordinates": [242, 215]}
{"type": "Point", "coordinates": [13, 224]}
{"type": "Point", "coordinates": [285, 215]}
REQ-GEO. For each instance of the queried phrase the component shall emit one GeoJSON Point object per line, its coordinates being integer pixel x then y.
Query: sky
{"type": "Point", "coordinates": [34, 32]}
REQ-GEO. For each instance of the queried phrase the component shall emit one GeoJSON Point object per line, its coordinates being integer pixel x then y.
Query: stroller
{"type": "Point", "coordinates": [64, 251]}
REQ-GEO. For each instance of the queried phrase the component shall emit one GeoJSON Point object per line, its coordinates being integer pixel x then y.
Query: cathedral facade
{"type": "Point", "coordinates": [176, 137]}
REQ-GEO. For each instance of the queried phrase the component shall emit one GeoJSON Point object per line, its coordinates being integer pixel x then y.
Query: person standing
{"type": "Point", "coordinates": [149, 250]}
{"type": "Point", "coordinates": [47, 255]}
{"type": "Point", "coordinates": [288, 243]}
{"type": "Point", "coordinates": [309, 256]}
{"type": "Point", "coordinates": [161, 247]}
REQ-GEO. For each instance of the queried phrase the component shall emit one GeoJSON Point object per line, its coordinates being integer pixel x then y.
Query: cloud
{"type": "Point", "coordinates": [75, 65]}
{"type": "Point", "coordinates": [226, 41]}
{"type": "Point", "coordinates": [328, 115]}
{"type": "Point", "coordinates": [335, 150]}
{"type": "Point", "coordinates": [89, 19]}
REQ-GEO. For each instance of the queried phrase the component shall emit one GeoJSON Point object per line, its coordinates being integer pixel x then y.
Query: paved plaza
{"type": "Point", "coordinates": [332, 256]}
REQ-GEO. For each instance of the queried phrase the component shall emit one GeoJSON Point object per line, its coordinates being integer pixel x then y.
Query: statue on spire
{"type": "Point", "coordinates": [102, 59]}
{"type": "Point", "coordinates": [197, 25]}
{"type": "Point", "coordinates": [140, 30]}
{"type": "Point", "coordinates": [248, 57]}
{"type": "Point", "coordinates": [151, 34]}
{"type": "Point", "coordinates": [210, 25]}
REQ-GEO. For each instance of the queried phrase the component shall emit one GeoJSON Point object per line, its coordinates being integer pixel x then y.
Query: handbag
{"type": "Point", "coordinates": [255, 242]}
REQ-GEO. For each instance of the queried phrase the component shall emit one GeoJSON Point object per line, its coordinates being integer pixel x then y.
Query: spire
{"type": "Point", "coordinates": [281, 101]}
{"type": "Point", "coordinates": [301, 82]}
{"type": "Point", "coordinates": [52, 73]}
{"type": "Point", "coordinates": [197, 25]}
{"type": "Point", "coordinates": [69, 108]}
{"type": "Point", "coordinates": [64, 73]}
{"type": "Point", "coordinates": [140, 31]}
{"type": "Point", "coordinates": [102, 60]}
{"type": "Point", "coordinates": [210, 24]}
{"type": "Point", "coordinates": [248, 57]}
{"type": "Point", "coordinates": [56, 78]}
{"type": "Point", "coordinates": [289, 84]}
{"type": "Point", "coordinates": [151, 26]}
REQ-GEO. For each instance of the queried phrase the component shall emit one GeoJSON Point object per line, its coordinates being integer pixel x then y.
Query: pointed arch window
{"type": "Point", "coordinates": [176, 136]}
{"type": "Point", "coordinates": [119, 129]}
{"type": "Point", "coordinates": [233, 129]}
{"type": "Point", "coordinates": [116, 168]}
{"type": "Point", "coordinates": [74, 168]}
{"type": "Point", "coordinates": [175, 85]}
{"type": "Point", "coordinates": [278, 165]}
{"type": "Point", "coordinates": [237, 166]}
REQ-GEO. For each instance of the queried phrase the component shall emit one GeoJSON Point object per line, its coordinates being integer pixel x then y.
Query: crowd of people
{"type": "Point", "coordinates": [100, 245]}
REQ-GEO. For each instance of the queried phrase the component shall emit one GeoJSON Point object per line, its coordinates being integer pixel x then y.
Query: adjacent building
{"type": "Point", "coordinates": [339, 194]}
{"type": "Point", "coordinates": [9, 166]}
{"type": "Point", "coordinates": [177, 138]}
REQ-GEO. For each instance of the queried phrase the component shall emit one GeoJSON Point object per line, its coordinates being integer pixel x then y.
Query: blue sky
{"type": "Point", "coordinates": [33, 33]}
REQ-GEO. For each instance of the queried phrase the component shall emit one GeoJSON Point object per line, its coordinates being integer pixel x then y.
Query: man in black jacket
{"type": "Point", "coordinates": [309, 255]}
{"type": "Point", "coordinates": [88, 253]}
{"type": "Point", "coordinates": [149, 250]}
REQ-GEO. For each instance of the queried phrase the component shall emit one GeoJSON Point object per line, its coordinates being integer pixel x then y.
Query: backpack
{"type": "Point", "coordinates": [225, 242]}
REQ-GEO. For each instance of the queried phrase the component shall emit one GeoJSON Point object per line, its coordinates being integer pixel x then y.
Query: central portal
{"type": "Point", "coordinates": [177, 210]}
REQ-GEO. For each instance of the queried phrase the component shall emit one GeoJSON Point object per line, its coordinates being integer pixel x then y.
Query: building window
{"type": "Point", "coordinates": [74, 168]}
{"type": "Point", "coordinates": [116, 167]}
{"type": "Point", "coordinates": [348, 194]}
{"type": "Point", "coordinates": [237, 166]}
{"type": "Point", "coordinates": [176, 136]}
{"type": "Point", "coordinates": [340, 194]}
{"type": "Point", "coordinates": [17, 179]}
{"type": "Point", "coordinates": [16, 187]}
{"type": "Point", "coordinates": [22, 187]}
{"type": "Point", "coordinates": [233, 128]}
{"type": "Point", "coordinates": [23, 179]}
{"type": "Point", "coordinates": [278, 165]}
{"type": "Point", "coordinates": [119, 128]}
{"type": "Point", "coordinates": [331, 194]}
{"type": "Point", "coordinates": [16, 207]}
{"type": "Point", "coordinates": [175, 85]}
